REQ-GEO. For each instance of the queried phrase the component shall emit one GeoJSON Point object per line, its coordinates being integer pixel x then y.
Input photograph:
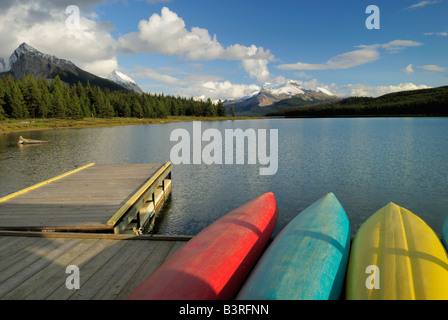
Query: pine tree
{"type": "Point", "coordinates": [31, 95]}
{"type": "Point", "coordinates": [43, 107]}
{"type": "Point", "coordinates": [90, 101]}
{"type": "Point", "coordinates": [58, 101]}
{"type": "Point", "coordinates": [14, 99]}
{"type": "Point", "coordinates": [222, 111]}
{"type": "Point", "coordinates": [98, 102]}
{"type": "Point", "coordinates": [162, 112]}
{"type": "Point", "coordinates": [232, 110]}
{"type": "Point", "coordinates": [126, 109]}
{"type": "Point", "coordinates": [210, 109]}
{"type": "Point", "coordinates": [108, 111]}
{"type": "Point", "coordinates": [84, 101]}
{"type": "Point", "coordinates": [137, 110]}
{"type": "Point", "coordinates": [174, 108]}
{"type": "Point", "coordinates": [74, 106]}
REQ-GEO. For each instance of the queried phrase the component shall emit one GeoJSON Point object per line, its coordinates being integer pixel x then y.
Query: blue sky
{"type": "Point", "coordinates": [227, 49]}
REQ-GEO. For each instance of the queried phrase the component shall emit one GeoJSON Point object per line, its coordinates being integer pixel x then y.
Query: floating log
{"type": "Point", "coordinates": [22, 140]}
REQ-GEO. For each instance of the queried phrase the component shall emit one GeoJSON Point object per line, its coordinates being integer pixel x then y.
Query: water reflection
{"type": "Point", "coordinates": [365, 162]}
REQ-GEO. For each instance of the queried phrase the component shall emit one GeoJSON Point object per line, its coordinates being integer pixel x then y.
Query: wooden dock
{"type": "Point", "coordinates": [90, 218]}
{"type": "Point", "coordinates": [33, 265]}
{"type": "Point", "coordinates": [94, 198]}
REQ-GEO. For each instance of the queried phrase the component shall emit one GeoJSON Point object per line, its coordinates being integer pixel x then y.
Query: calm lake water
{"type": "Point", "coordinates": [366, 163]}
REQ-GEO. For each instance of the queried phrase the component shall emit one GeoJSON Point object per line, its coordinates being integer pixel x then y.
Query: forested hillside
{"type": "Point", "coordinates": [31, 98]}
{"type": "Point", "coordinates": [425, 102]}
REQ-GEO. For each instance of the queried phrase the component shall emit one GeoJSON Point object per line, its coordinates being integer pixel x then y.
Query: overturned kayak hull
{"type": "Point", "coordinates": [307, 260]}
{"type": "Point", "coordinates": [215, 263]}
{"type": "Point", "coordinates": [397, 256]}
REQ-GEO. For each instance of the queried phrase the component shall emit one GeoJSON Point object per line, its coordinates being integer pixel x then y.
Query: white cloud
{"type": "Point", "coordinates": [147, 73]}
{"type": "Point", "coordinates": [361, 90]}
{"type": "Point", "coordinates": [409, 69]}
{"type": "Point", "coordinates": [193, 84]}
{"type": "Point", "coordinates": [342, 61]}
{"type": "Point", "coordinates": [101, 67]}
{"type": "Point", "coordinates": [422, 4]}
{"type": "Point", "coordinates": [433, 67]}
{"type": "Point", "coordinates": [440, 34]}
{"type": "Point", "coordinates": [166, 34]}
{"type": "Point", "coordinates": [257, 69]}
{"type": "Point", "coordinates": [354, 58]}
{"type": "Point", "coordinates": [398, 45]}
{"type": "Point", "coordinates": [218, 90]}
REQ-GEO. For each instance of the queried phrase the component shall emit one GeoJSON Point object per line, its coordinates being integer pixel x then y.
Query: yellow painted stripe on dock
{"type": "Point", "coordinates": [36, 186]}
{"type": "Point", "coordinates": [112, 221]}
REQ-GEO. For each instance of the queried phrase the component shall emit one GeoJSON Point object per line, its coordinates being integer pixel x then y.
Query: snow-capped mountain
{"type": "Point", "coordinates": [27, 60]}
{"type": "Point", "coordinates": [125, 81]}
{"type": "Point", "coordinates": [291, 88]}
{"type": "Point", "coordinates": [272, 98]}
{"type": "Point", "coordinates": [17, 65]}
{"type": "Point", "coordinates": [323, 90]}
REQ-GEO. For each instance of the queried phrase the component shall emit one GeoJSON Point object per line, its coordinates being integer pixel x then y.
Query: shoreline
{"type": "Point", "coordinates": [25, 125]}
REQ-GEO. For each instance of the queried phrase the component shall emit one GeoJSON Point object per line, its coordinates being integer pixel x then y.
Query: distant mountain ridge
{"type": "Point", "coordinates": [27, 60]}
{"type": "Point", "coordinates": [270, 99]}
{"type": "Point", "coordinates": [420, 102]}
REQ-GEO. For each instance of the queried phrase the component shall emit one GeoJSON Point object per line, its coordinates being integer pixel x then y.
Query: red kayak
{"type": "Point", "coordinates": [214, 264]}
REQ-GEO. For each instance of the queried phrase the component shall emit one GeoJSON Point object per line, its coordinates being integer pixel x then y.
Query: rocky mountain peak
{"type": "Point", "coordinates": [26, 60]}
{"type": "Point", "coordinates": [125, 81]}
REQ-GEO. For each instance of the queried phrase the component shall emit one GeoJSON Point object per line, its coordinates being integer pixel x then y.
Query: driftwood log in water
{"type": "Point", "coordinates": [22, 140]}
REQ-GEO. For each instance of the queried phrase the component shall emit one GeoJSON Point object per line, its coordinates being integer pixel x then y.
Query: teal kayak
{"type": "Point", "coordinates": [307, 260]}
{"type": "Point", "coordinates": [445, 234]}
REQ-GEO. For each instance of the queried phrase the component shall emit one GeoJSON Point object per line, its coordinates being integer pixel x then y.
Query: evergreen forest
{"type": "Point", "coordinates": [31, 98]}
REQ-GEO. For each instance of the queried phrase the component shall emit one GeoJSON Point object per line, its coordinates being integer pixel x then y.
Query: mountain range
{"type": "Point", "coordinates": [270, 99]}
{"type": "Point", "coordinates": [27, 60]}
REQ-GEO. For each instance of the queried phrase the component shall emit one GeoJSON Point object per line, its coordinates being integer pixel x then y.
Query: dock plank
{"type": "Point", "coordinates": [26, 273]}
{"type": "Point", "coordinates": [111, 289]}
{"type": "Point", "coordinates": [28, 256]}
{"type": "Point", "coordinates": [41, 282]}
{"type": "Point", "coordinates": [93, 261]}
{"type": "Point", "coordinates": [105, 274]}
{"type": "Point", "coordinates": [158, 255]}
{"type": "Point", "coordinates": [111, 266]}
{"type": "Point", "coordinates": [14, 255]}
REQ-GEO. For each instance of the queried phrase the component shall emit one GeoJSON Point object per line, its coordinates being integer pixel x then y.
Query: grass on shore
{"type": "Point", "coordinates": [13, 125]}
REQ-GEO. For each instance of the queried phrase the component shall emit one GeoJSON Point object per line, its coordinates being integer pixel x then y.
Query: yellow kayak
{"type": "Point", "coordinates": [396, 256]}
